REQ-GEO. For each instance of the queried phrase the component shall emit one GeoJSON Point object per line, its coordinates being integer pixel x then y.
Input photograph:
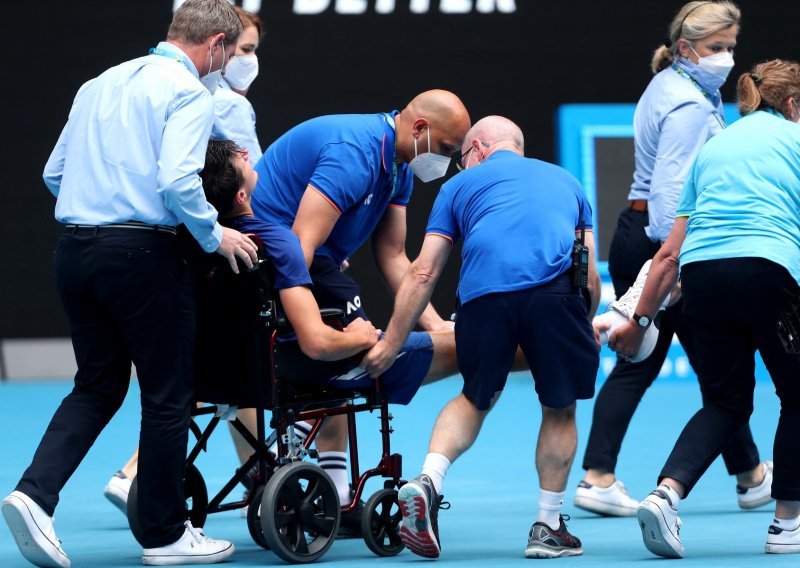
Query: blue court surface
{"type": "Point", "coordinates": [493, 488]}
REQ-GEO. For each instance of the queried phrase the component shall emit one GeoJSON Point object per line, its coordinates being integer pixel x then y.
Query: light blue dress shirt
{"type": "Point", "coordinates": [673, 120]}
{"type": "Point", "coordinates": [235, 119]}
{"type": "Point", "coordinates": [742, 195]}
{"type": "Point", "coordinates": [133, 146]}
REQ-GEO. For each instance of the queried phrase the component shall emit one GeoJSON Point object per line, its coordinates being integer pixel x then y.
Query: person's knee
{"type": "Point", "coordinates": [565, 414]}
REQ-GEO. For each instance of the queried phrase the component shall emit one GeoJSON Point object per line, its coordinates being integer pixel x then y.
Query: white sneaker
{"type": "Point", "coordinates": [753, 497]}
{"type": "Point", "coordinates": [33, 531]}
{"type": "Point", "coordinates": [612, 501]}
{"type": "Point", "coordinates": [660, 525]}
{"type": "Point", "coordinates": [117, 490]}
{"type": "Point", "coordinates": [780, 541]}
{"type": "Point", "coordinates": [622, 310]}
{"type": "Point", "coordinates": [193, 547]}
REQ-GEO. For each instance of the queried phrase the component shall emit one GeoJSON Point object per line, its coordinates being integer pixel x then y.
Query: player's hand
{"type": "Point", "coordinates": [368, 332]}
{"type": "Point", "coordinates": [626, 339]}
{"type": "Point", "coordinates": [600, 328]}
{"type": "Point", "coordinates": [378, 359]}
{"type": "Point", "coordinates": [236, 244]}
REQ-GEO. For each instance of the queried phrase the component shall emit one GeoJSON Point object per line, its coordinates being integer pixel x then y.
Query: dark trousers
{"type": "Point", "coordinates": [732, 306]}
{"type": "Point", "coordinates": [620, 394]}
{"type": "Point", "coordinates": [128, 298]}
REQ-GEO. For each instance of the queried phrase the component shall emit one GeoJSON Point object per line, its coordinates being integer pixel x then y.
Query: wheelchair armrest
{"type": "Point", "coordinates": [331, 313]}
{"type": "Point", "coordinates": [327, 314]}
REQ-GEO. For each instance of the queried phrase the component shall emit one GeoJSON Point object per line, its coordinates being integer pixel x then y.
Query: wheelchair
{"type": "Point", "coordinates": [245, 357]}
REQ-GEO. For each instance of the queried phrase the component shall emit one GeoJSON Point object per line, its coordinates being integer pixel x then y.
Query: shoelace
{"type": "Point", "coordinates": [626, 303]}
{"type": "Point", "coordinates": [197, 534]}
{"type": "Point", "coordinates": [621, 487]}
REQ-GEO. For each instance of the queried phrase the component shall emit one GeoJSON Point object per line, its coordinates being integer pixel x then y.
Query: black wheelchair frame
{"type": "Point", "coordinates": [292, 505]}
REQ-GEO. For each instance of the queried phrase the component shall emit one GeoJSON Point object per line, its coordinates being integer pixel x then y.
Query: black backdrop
{"type": "Point", "coordinates": [521, 65]}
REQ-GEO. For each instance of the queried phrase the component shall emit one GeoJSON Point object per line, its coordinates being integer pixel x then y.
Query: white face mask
{"type": "Point", "coordinates": [242, 71]}
{"type": "Point", "coordinates": [211, 79]}
{"type": "Point", "coordinates": [428, 166]}
{"type": "Point", "coordinates": [719, 64]}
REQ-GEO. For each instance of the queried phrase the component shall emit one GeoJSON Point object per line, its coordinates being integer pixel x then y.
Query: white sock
{"type": "Point", "coordinates": [787, 524]}
{"type": "Point", "coordinates": [435, 467]}
{"type": "Point", "coordinates": [550, 508]}
{"type": "Point", "coordinates": [673, 495]}
{"type": "Point", "coordinates": [301, 429]}
{"type": "Point", "coordinates": [335, 465]}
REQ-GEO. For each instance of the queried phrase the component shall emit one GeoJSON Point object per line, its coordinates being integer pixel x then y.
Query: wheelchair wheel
{"type": "Point", "coordinates": [300, 512]}
{"type": "Point", "coordinates": [195, 493]}
{"type": "Point", "coordinates": [254, 517]}
{"type": "Point", "coordinates": [380, 523]}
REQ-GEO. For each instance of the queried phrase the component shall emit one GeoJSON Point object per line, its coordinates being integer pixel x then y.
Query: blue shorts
{"type": "Point", "coordinates": [335, 289]}
{"type": "Point", "coordinates": [549, 322]}
{"type": "Point", "coordinates": [402, 380]}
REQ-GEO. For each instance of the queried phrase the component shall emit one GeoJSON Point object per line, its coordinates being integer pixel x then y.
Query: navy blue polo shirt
{"type": "Point", "coordinates": [517, 217]}
{"type": "Point", "coordinates": [349, 160]}
{"type": "Point", "coordinates": [283, 249]}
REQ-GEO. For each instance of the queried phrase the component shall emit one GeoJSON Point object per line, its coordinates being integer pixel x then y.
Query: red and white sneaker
{"type": "Point", "coordinates": [419, 505]}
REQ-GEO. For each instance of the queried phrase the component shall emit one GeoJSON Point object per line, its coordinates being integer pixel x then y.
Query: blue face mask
{"type": "Point", "coordinates": [211, 79]}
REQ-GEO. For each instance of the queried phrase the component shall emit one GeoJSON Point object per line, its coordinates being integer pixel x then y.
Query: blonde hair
{"type": "Point", "coordinates": [768, 85]}
{"type": "Point", "coordinates": [694, 21]}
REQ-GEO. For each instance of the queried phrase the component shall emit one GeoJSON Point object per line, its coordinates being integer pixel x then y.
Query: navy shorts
{"type": "Point", "coordinates": [335, 289]}
{"type": "Point", "coordinates": [403, 379]}
{"type": "Point", "coordinates": [549, 322]}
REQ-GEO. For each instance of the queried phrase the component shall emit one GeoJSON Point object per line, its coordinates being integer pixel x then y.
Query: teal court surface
{"type": "Point", "coordinates": [493, 488]}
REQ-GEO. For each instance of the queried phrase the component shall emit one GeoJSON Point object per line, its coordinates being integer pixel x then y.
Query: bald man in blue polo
{"type": "Point", "coordinates": [341, 179]}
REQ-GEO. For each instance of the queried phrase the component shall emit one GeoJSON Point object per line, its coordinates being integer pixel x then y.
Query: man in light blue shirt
{"type": "Point", "coordinates": [125, 174]}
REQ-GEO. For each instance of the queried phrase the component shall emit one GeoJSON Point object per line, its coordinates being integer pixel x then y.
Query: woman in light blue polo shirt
{"type": "Point", "coordinates": [234, 117]}
{"type": "Point", "coordinates": [738, 237]}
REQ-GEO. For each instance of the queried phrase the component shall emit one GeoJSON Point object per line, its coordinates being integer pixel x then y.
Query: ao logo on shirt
{"type": "Point", "coordinates": [311, 7]}
{"type": "Point", "coordinates": [368, 200]}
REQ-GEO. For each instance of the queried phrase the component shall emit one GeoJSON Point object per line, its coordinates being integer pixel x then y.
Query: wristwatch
{"type": "Point", "coordinates": [642, 321]}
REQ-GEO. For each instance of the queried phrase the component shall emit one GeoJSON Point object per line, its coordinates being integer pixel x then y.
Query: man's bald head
{"type": "Point", "coordinates": [496, 129]}
{"type": "Point", "coordinates": [438, 112]}
{"type": "Point", "coordinates": [440, 107]}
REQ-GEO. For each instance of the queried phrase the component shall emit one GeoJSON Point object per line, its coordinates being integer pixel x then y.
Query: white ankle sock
{"type": "Point", "coordinates": [550, 504]}
{"type": "Point", "coordinates": [335, 465]}
{"type": "Point", "coordinates": [301, 429]}
{"type": "Point", "coordinates": [435, 467]}
{"type": "Point", "coordinates": [673, 495]}
{"type": "Point", "coordinates": [787, 524]}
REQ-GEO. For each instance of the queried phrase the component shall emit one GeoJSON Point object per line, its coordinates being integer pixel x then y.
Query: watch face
{"type": "Point", "coordinates": [644, 321]}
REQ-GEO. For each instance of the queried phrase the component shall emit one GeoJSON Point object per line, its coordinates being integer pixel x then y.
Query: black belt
{"type": "Point", "coordinates": [132, 225]}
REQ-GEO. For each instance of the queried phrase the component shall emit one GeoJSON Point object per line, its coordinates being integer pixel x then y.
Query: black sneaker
{"type": "Point", "coordinates": [544, 542]}
{"type": "Point", "coordinates": [419, 505]}
{"type": "Point", "coordinates": [350, 524]}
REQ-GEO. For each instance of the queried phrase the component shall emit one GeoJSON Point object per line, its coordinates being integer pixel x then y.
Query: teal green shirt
{"type": "Point", "coordinates": [742, 194]}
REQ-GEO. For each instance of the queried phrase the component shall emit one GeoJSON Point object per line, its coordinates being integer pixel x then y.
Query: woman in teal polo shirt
{"type": "Point", "coordinates": [737, 238]}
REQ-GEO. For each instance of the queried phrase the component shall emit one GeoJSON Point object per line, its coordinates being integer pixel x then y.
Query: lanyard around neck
{"type": "Point", "coordinates": [682, 73]}
{"type": "Point", "coordinates": [167, 54]}
{"type": "Point", "coordinates": [390, 120]}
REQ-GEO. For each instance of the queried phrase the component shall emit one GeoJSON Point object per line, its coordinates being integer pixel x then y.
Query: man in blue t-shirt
{"type": "Point", "coordinates": [228, 181]}
{"type": "Point", "coordinates": [338, 180]}
{"type": "Point", "coordinates": [519, 219]}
